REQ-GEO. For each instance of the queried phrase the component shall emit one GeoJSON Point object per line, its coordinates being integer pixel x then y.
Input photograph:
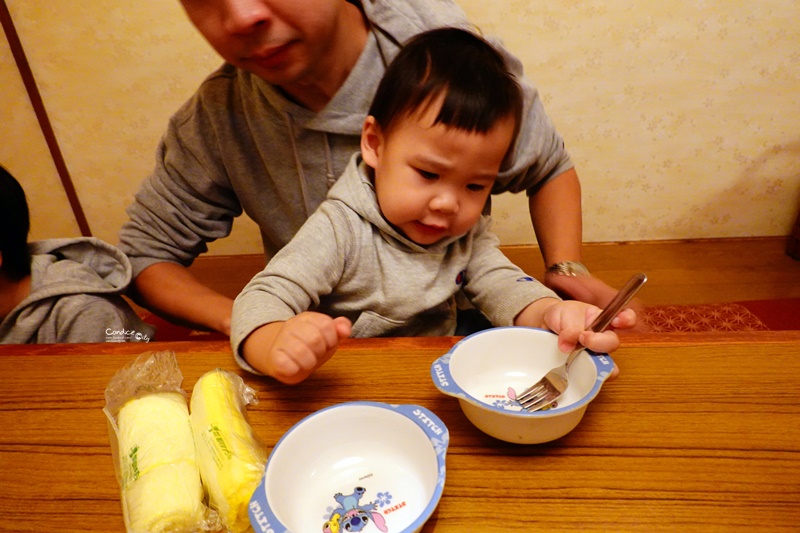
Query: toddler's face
{"type": "Point", "coordinates": [432, 181]}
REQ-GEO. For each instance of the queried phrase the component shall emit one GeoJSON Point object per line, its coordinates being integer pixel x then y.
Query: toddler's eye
{"type": "Point", "coordinates": [475, 187]}
{"type": "Point", "coordinates": [427, 175]}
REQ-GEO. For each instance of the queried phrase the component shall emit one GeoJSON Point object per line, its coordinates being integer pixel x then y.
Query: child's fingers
{"type": "Point", "coordinates": [568, 338]}
{"type": "Point", "coordinates": [319, 334]}
{"type": "Point", "coordinates": [343, 327]}
{"type": "Point", "coordinates": [626, 319]}
{"type": "Point", "coordinates": [606, 342]}
{"type": "Point", "coordinates": [305, 342]}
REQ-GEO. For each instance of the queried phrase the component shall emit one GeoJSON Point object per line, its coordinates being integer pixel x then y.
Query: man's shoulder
{"type": "Point", "coordinates": [414, 16]}
{"type": "Point", "coordinates": [225, 76]}
{"type": "Point", "coordinates": [218, 91]}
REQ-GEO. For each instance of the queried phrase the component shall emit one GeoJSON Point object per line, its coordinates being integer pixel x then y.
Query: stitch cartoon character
{"type": "Point", "coordinates": [352, 517]}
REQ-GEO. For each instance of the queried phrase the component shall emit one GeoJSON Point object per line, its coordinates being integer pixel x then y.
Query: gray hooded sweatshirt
{"type": "Point", "coordinates": [76, 288]}
{"type": "Point", "coordinates": [238, 145]}
{"type": "Point", "coordinates": [347, 260]}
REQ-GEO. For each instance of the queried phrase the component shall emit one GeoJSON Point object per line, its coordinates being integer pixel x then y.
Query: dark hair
{"type": "Point", "coordinates": [472, 76]}
{"type": "Point", "coordinates": [14, 227]}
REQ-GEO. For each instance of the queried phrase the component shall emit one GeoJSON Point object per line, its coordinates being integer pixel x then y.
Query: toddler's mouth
{"type": "Point", "coordinates": [428, 229]}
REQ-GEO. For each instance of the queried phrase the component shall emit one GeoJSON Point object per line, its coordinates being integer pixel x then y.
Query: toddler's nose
{"type": "Point", "coordinates": [444, 202]}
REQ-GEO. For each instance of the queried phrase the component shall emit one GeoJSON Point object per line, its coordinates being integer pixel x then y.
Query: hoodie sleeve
{"type": "Point", "coordinates": [495, 285]}
{"type": "Point", "coordinates": [307, 268]}
{"type": "Point", "coordinates": [187, 201]}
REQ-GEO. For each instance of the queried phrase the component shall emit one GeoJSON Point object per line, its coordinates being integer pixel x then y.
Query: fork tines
{"type": "Point", "coordinates": [538, 396]}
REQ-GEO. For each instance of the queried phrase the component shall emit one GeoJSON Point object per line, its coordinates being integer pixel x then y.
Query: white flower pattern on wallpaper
{"type": "Point", "coordinates": [681, 117]}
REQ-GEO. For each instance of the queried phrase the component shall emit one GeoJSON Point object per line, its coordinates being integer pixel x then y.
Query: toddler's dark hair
{"type": "Point", "coordinates": [467, 71]}
{"type": "Point", "coordinates": [14, 228]}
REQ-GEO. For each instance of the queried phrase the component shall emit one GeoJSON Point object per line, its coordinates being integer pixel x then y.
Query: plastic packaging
{"type": "Point", "coordinates": [231, 459]}
{"type": "Point", "coordinates": [154, 453]}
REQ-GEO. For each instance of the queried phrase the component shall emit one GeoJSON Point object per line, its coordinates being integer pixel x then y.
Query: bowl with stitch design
{"type": "Point", "coordinates": [354, 466]}
{"type": "Point", "coordinates": [486, 371]}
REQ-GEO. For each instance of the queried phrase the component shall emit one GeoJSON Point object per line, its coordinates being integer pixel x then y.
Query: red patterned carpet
{"type": "Point", "coordinates": [756, 315]}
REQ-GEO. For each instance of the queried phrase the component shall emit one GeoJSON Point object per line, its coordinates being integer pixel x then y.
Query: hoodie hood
{"type": "Point", "coordinates": [75, 295]}
{"type": "Point", "coordinates": [61, 267]}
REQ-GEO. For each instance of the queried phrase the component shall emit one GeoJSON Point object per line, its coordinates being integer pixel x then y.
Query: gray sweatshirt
{"type": "Point", "coordinates": [347, 260]}
{"type": "Point", "coordinates": [76, 288]}
{"type": "Point", "coordinates": [238, 145]}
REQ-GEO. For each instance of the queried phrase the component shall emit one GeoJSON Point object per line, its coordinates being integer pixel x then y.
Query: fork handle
{"type": "Point", "coordinates": [622, 298]}
{"type": "Point", "coordinates": [619, 301]}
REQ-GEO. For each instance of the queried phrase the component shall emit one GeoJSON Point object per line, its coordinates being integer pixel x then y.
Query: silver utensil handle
{"type": "Point", "coordinates": [622, 298]}
{"type": "Point", "coordinates": [605, 317]}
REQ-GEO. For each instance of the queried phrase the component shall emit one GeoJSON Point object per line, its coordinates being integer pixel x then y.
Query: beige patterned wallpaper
{"type": "Point", "coordinates": [110, 75]}
{"type": "Point", "coordinates": [683, 118]}
{"type": "Point", "coordinates": [24, 153]}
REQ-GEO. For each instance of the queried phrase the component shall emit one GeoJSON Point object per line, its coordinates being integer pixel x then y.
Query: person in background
{"type": "Point", "coordinates": [60, 290]}
{"type": "Point", "coordinates": [402, 231]}
{"type": "Point", "coordinates": [269, 132]}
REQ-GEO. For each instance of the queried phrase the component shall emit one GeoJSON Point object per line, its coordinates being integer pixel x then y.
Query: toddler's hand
{"type": "Point", "coordinates": [594, 291]}
{"type": "Point", "coordinates": [571, 320]}
{"type": "Point", "coordinates": [291, 351]}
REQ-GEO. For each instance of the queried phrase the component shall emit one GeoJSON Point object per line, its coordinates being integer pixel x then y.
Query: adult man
{"type": "Point", "coordinates": [271, 130]}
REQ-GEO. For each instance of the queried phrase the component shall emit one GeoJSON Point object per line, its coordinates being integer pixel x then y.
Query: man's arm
{"type": "Point", "coordinates": [174, 293]}
{"type": "Point", "coordinates": [556, 215]}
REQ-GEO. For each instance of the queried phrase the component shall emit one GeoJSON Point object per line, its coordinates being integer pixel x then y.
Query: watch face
{"type": "Point", "coordinates": [569, 268]}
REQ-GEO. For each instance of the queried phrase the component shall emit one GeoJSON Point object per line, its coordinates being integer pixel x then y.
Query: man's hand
{"type": "Point", "coordinates": [584, 288]}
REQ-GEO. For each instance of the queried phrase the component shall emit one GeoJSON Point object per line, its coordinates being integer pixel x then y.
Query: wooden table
{"type": "Point", "coordinates": [700, 432]}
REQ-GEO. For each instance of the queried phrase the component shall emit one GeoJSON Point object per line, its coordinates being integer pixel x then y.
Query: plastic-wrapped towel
{"type": "Point", "coordinates": [161, 485]}
{"type": "Point", "coordinates": [230, 457]}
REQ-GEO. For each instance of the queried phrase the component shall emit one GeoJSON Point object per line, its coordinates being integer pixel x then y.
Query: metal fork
{"type": "Point", "coordinates": [554, 383]}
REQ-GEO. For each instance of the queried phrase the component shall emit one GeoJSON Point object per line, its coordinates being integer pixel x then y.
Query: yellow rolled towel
{"type": "Point", "coordinates": [161, 487]}
{"type": "Point", "coordinates": [231, 459]}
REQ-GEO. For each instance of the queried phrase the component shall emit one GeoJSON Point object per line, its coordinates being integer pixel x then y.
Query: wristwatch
{"type": "Point", "coordinates": [568, 268]}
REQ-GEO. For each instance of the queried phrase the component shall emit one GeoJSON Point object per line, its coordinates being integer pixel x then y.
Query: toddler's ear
{"type": "Point", "coordinates": [371, 141]}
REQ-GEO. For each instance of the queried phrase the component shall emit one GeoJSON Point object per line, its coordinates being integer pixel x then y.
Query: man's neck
{"type": "Point", "coordinates": [12, 293]}
{"type": "Point", "coordinates": [320, 86]}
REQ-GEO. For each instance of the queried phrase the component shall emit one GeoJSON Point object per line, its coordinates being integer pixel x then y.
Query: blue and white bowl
{"type": "Point", "coordinates": [488, 369]}
{"type": "Point", "coordinates": [356, 466]}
